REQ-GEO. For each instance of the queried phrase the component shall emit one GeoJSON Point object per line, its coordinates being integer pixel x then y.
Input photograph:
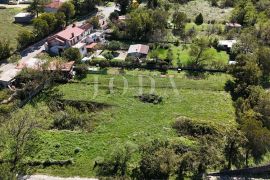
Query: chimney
{"type": "Point", "coordinates": [72, 35]}
{"type": "Point", "coordinates": [73, 25]}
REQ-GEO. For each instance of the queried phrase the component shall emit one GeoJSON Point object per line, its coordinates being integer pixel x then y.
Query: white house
{"type": "Point", "coordinates": [77, 37]}
{"type": "Point", "coordinates": [138, 50]}
{"type": "Point", "coordinates": [226, 44]}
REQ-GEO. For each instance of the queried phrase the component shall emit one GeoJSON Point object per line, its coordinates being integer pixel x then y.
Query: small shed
{"type": "Point", "coordinates": [23, 17]}
{"type": "Point", "coordinates": [138, 50]}
{"type": "Point", "coordinates": [226, 44]}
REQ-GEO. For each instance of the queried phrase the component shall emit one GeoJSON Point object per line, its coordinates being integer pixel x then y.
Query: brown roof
{"type": "Point", "coordinates": [91, 46]}
{"type": "Point", "coordinates": [56, 65]}
{"type": "Point", "coordinates": [70, 32]}
{"type": "Point", "coordinates": [86, 26]}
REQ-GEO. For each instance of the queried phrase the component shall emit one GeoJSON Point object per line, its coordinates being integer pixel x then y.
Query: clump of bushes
{"type": "Point", "coordinates": [49, 162]}
{"type": "Point", "coordinates": [186, 126]}
{"type": "Point", "coordinates": [150, 98]}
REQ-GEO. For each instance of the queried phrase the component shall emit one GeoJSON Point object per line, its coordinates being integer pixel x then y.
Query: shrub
{"type": "Point", "coordinates": [114, 45]}
{"type": "Point", "coordinates": [186, 126]}
{"type": "Point", "coordinates": [81, 71]}
{"type": "Point", "coordinates": [25, 38]}
{"type": "Point", "coordinates": [108, 55]}
{"type": "Point", "coordinates": [150, 98]}
{"type": "Point", "coordinates": [72, 54]}
{"type": "Point", "coordinates": [77, 150]}
{"type": "Point", "coordinates": [69, 119]}
{"type": "Point", "coordinates": [5, 49]}
{"type": "Point", "coordinates": [158, 161]}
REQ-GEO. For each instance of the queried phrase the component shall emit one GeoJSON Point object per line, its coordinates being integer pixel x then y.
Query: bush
{"type": "Point", "coordinates": [77, 150]}
{"type": "Point", "coordinates": [108, 55]}
{"type": "Point", "coordinates": [186, 126]}
{"type": "Point", "coordinates": [5, 49]}
{"type": "Point", "coordinates": [70, 119]}
{"type": "Point", "coordinates": [72, 54]}
{"type": "Point", "coordinates": [150, 98]}
{"type": "Point", "coordinates": [114, 45]}
{"type": "Point", "coordinates": [81, 71]}
{"type": "Point", "coordinates": [25, 38]}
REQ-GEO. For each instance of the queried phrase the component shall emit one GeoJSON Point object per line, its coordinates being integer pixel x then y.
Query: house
{"type": "Point", "coordinates": [138, 50]}
{"type": "Point", "coordinates": [53, 6]}
{"type": "Point", "coordinates": [226, 44]}
{"type": "Point", "coordinates": [76, 37]}
{"type": "Point", "coordinates": [23, 17]}
{"type": "Point", "coordinates": [229, 26]}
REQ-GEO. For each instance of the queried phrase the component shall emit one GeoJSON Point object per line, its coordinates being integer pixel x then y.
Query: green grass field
{"type": "Point", "coordinates": [128, 119]}
{"type": "Point", "coordinates": [182, 54]}
{"type": "Point", "coordinates": [9, 30]}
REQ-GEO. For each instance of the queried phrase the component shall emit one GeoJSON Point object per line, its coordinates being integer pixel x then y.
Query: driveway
{"type": "Point", "coordinates": [107, 10]}
{"type": "Point", "coordinates": [33, 50]}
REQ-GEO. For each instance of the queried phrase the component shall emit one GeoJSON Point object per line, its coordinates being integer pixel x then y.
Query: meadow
{"type": "Point", "coordinates": [9, 30]}
{"type": "Point", "coordinates": [181, 55]}
{"type": "Point", "coordinates": [129, 120]}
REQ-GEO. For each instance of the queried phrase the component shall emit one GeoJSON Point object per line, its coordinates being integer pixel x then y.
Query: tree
{"type": "Point", "coordinates": [77, 6]}
{"type": "Point", "coordinates": [25, 38]}
{"type": "Point", "coordinates": [41, 27]}
{"type": "Point", "coordinates": [19, 140]}
{"type": "Point", "coordinates": [258, 137]}
{"type": "Point", "coordinates": [72, 54]}
{"type": "Point", "coordinates": [124, 5]}
{"type": "Point", "coordinates": [116, 164]}
{"type": "Point", "coordinates": [37, 6]}
{"type": "Point", "coordinates": [264, 62]}
{"type": "Point", "coordinates": [5, 49]}
{"type": "Point", "coordinates": [50, 19]}
{"type": "Point", "coordinates": [246, 72]}
{"type": "Point", "coordinates": [152, 4]}
{"type": "Point", "coordinates": [179, 20]}
{"type": "Point", "coordinates": [244, 13]}
{"type": "Point", "coordinates": [114, 45]}
{"type": "Point", "coordinates": [199, 19]}
{"type": "Point", "coordinates": [68, 9]}
{"type": "Point", "coordinates": [146, 24]}
{"type": "Point", "coordinates": [60, 20]}
{"type": "Point", "coordinates": [89, 5]}
{"type": "Point", "coordinates": [114, 16]}
{"type": "Point", "coordinates": [198, 53]}
{"type": "Point", "coordinates": [158, 161]}
{"type": "Point", "coordinates": [233, 151]}
{"type": "Point", "coordinates": [94, 21]}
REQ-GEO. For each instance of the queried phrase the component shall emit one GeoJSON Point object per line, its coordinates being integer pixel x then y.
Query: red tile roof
{"type": "Point", "coordinates": [54, 4]}
{"type": "Point", "coordinates": [70, 33]}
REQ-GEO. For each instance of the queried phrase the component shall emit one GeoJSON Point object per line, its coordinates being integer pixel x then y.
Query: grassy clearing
{"type": "Point", "coordinates": [181, 54]}
{"type": "Point", "coordinates": [9, 30]}
{"type": "Point", "coordinates": [193, 8]}
{"type": "Point", "coordinates": [130, 120]}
